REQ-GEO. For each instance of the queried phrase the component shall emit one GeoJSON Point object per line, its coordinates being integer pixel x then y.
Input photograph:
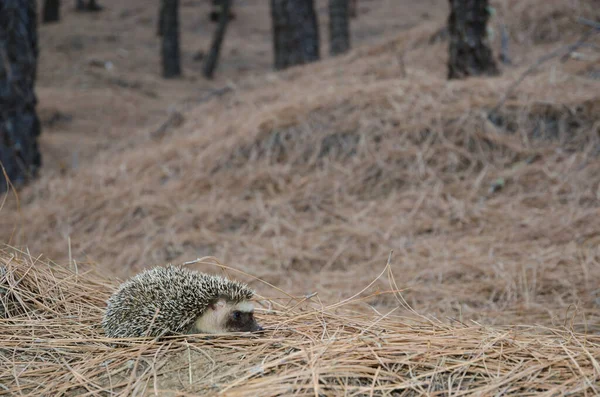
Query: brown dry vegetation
{"type": "Point", "coordinates": [306, 180]}
{"type": "Point", "coordinates": [52, 344]}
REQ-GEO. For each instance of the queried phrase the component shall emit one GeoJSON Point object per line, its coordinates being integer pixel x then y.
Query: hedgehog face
{"type": "Point", "coordinates": [241, 319]}
{"type": "Point", "coordinates": [224, 317]}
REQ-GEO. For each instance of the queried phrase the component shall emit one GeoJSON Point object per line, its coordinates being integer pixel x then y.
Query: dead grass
{"type": "Point", "coordinates": [52, 344]}
{"type": "Point", "coordinates": [306, 180]}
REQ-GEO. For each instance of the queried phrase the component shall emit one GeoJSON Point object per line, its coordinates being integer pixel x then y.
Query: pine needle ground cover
{"type": "Point", "coordinates": [52, 345]}
{"type": "Point", "coordinates": [303, 182]}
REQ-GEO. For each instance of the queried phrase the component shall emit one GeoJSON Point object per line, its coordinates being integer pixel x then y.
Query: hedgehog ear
{"type": "Point", "coordinates": [218, 305]}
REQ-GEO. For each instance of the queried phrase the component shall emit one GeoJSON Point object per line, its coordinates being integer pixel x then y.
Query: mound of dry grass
{"type": "Point", "coordinates": [308, 178]}
{"type": "Point", "coordinates": [51, 343]}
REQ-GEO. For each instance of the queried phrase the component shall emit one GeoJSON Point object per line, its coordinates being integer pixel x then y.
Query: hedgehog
{"type": "Point", "coordinates": [172, 300]}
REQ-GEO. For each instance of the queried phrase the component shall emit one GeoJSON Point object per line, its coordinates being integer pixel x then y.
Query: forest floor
{"type": "Point", "coordinates": [306, 180]}
{"type": "Point", "coordinates": [99, 82]}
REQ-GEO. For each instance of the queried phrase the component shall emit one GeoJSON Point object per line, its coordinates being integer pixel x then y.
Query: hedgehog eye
{"type": "Point", "coordinates": [237, 315]}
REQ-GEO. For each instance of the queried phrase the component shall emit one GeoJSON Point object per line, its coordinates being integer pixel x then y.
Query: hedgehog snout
{"type": "Point", "coordinates": [257, 328]}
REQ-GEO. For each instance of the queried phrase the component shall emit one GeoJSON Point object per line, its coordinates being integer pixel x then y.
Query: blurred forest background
{"type": "Point", "coordinates": [302, 140]}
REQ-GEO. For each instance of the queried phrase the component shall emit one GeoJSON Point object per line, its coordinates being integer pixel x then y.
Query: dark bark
{"type": "Point", "coordinates": [295, 32]}
{"type": "Point", "coordinates": [170, 40]}
{"type": "Point", "coordinates": [91, 5]}
{"type": "Point", "coordinates": [161, 18]}
{"type": "Point", "coordinates": [215, 49]}
{"type": "Point", "coordinates": [19, 123]}
{"type": "Point", "coordinates": [51, 11]}
{"type": "Point", "coordinates": [339, 27]}
{"type": "Point", "coordinates": [353, 6]}
{"type": "Point", "coordinates": [218, 8]}
{"type": "Point", "coordinates": [469, 53]}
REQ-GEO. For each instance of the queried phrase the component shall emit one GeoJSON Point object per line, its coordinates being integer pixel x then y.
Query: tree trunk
{"type": "Point", "coordinates": [469, 53]}
{"type": "Point", "coordinates": [161, 18]}
{"type": "Point", "coordinates": [339, 27]}
{"type": "Point", "coordinates": [51, 12]}
{"type": "Point", "coordinates": [93, 6]}
{"type": "Point", "coordinates": [295, 32]}
{"type": "Point", "coordinates": [213, 55]}
{"type": "Point", "coordinates": [217, 8]}
{"type": "Point", "coordinates": [353, 6]}
{"type": "Point", "coordinates": [170, 40]}
{"type": "Point", "coordinates": [19, 123]}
